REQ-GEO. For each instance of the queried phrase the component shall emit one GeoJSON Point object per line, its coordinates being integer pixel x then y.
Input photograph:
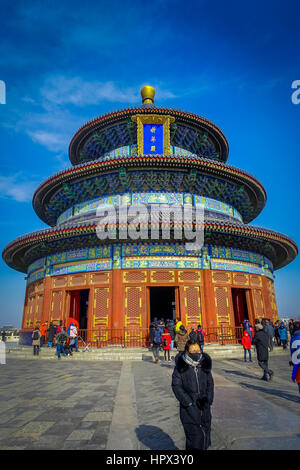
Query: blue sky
{"type": "Point", "coordinates": [66, 62]}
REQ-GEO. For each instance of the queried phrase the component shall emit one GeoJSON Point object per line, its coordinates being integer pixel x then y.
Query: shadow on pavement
{"type": "Point", "coordinates": [167, 365]}
{"type": "Point", "coordinates": [234, 359]}
{"type": "Point", "coordinates": [147, 358]}
{"type": "Point", "coordinates": [235, 372]}
{"type": "Point", "coordinates": [155, 438]}
{"type": "Point", "coordinates": [274, 392]}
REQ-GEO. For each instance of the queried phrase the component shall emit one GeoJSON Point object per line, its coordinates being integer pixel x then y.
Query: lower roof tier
{"type": "Point", "coordinates": [25, 250]}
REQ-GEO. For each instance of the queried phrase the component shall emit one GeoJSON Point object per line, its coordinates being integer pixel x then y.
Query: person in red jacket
{"type": "Point", "coordinates": [246, 342]}
{"type": "Point", "coordinates": [166, 342]}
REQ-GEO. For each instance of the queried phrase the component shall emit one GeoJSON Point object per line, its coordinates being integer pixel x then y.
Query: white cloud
{"type": "Point", "coordinates": [52, 141]}
{"type": "Point", "coordinates": [61, 90]}
{"type": "Point", "coordinates": [16, 188]}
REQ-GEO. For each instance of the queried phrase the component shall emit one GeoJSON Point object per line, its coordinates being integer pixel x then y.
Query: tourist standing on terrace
{"type": "Point", "coordinates": [193, 386]}
{"type": "Point", "coordinates": [166, 342]}
{"type": "Point", "coordinates": [269, 329]}
{"type": "Point", "coordinates": [261, 342]}
{"type": "Point", "coordinates": [43, 330]}
{"type": "Point", "coordinates": [36, 341]}
{"type": "Point", "coordinates": [50, 334]}
{"type": "Point", "coordinates": [282, 333]}
{"type": "Point", "coordinates": [171, 328]}
{"type": "Point", "coordinates": [181, 338]}
{"type": "Point", "coordinates": [246, 342]}
{"type": "Point", "coordinates": [155, 339]}
{"type": "Point", "coordinates": [60, 340]}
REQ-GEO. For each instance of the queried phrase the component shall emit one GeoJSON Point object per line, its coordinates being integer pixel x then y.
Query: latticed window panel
{"type": "Point", "coordinates": [221, 277]}
{"type": "Point", "coordinates": [79, 280]}
{"type": "Point", "coordinates": [133, 306]}
{"type": "Point", "coordinates": [39, 286]}
{"type": "Point", "coordinates": [241, 279]}
{"type": "Point", "coordinates": [222, 305]}
{"type": "Point", "coordinates": [258, 303]}
{"type": "Point", "coordinates": [192, 301]}
{"type": "Point", "coordinates": [29, 311]}
{"type": "Point", "coordinates": [56, 306]}
{"type": "Point", "coordinates": [38, 309]}
{"type": "Point", "coordinates": [162, 276]}
{"type": "Point", "coordinates": [189, 276]}
{"type": "Point", "coordinates": [272, 299]}
{"type": "Point", "coordinates": [134, 276]}
{"type": "Point", "coordinates": [60, 281]}
{"type": "Point", "coordinates": [255, 281]}
{"type": "Point", "coordinates": [101, 307]}
{"type": "Point", "coordinates": [100, 278]}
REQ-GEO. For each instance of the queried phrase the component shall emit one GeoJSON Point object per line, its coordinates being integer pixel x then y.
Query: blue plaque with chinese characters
{"type": "Point", "coordinates": [153, 139]}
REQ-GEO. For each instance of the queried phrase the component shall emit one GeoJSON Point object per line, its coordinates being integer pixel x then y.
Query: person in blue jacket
{"type": "Point", "coordinates": [295, 352]}
{"type": "Point", "coordinates": [282, 333]}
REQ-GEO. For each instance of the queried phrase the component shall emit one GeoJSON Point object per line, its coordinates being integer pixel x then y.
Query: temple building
{"type": "Point", "coordinates": [148, 156]}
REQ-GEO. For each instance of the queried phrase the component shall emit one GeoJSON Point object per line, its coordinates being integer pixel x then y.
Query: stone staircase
{"type": "Point", "coordinates": [119, 353]}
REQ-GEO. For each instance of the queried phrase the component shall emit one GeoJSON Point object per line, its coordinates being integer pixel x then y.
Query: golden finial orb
{"type": "Point", "coordinates": [148, 93]}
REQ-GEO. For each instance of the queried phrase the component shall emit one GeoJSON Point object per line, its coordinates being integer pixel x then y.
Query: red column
{"type": "Point", "coordinates": [117, 310]}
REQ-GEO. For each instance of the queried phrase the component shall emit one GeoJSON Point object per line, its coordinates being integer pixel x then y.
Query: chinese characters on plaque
{"type": "Point", "coordinates": [153, 139]}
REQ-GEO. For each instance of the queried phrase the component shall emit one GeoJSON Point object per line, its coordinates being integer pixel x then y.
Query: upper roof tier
{"type": "Point", "coordinates": [149, 173]}
{"type": "Point", "coordinates": [115, 130]}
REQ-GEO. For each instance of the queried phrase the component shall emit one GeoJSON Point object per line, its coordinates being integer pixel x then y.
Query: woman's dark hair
{"type": "Point", "coordinates": [189, 343]}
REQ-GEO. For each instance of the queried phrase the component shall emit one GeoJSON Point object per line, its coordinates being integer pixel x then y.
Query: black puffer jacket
{"type": "Point", "coordinates": [194, 389]}
{"type": "Point", "coordinates": [261, 342]}
{"type": "Point", "coordinates": [51, 332]}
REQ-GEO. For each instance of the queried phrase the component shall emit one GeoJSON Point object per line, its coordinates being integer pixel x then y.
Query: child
{"type": "Point", "coordinates": [246, 342]}
{"type": "Point", "coordinates": [166, 342]}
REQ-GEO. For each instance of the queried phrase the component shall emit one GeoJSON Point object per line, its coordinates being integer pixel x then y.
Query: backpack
{"type": "Point", "coordinates": [35, 335]}
{"type": "Point", "coordinates": [61, 338]}
{"type": "Point", "coordinates": [165, 342]}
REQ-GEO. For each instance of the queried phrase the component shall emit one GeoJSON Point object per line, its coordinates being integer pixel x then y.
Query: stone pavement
{"type": "Point", "coordinates": [129, 405]}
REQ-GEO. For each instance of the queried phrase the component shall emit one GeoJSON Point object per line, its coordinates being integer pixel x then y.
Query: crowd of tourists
{"type": "Point", "coordinates": [169, 335]}
{"type": "Point", "coordinates": [266, 336]}
{"type": "Point", "coordinates": [65, 340]}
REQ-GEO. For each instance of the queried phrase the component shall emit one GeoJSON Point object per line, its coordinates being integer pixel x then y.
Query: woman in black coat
{"type": "Point", "coordinates": [193, 386]}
